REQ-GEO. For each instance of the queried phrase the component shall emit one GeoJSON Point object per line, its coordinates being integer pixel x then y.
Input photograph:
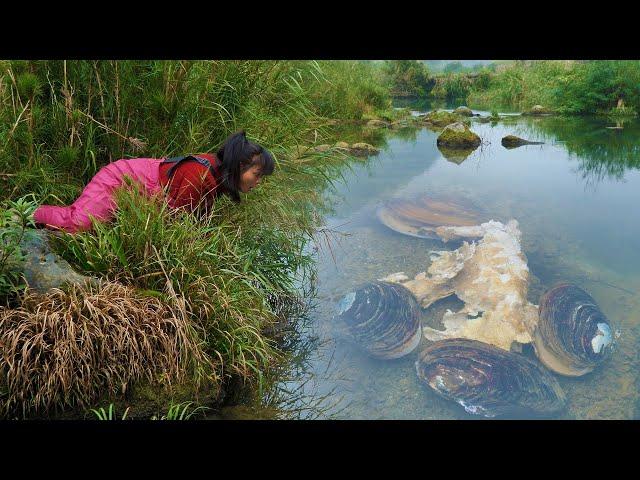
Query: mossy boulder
{"type": "Point", "coordinates": [363, 149]}
{"type": "Point", "coordinates": [538, 110]}
{"type": "Point", "coordinates": [407, 122]}
{"type": "Point", "coordinates": [458, 136]}
{"type": "Point", "coordinates": [511, 141]}
{"type": "Point", "coordinates": [378, 124]}
{"type": "Point", "coordinates": [440, 118]}
{"type": "Point", "coordinates": [464, 111]}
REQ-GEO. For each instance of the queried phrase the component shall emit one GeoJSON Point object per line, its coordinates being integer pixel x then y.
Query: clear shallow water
{"type": "Point", "coordinates": [577, 201]}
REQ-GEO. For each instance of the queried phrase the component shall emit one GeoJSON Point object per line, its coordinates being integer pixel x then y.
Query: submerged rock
{"type": "Point", "coordinates": [458, 135]}
{"type": "Point", "coordinates": [511, 141]}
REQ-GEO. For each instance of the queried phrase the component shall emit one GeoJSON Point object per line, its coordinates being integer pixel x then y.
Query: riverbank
{"type": "Point", "coordinates": [234, 281]}
{"type": "Point", "coordinates": [568, 87]}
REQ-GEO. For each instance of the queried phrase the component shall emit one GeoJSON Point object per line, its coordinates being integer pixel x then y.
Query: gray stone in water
{"type": "Point", "coordinates": [363, 149]}
{"type": "Point", "coordinates": [42, 268]}
{"type": "Point", "coordinates": [511, 141]}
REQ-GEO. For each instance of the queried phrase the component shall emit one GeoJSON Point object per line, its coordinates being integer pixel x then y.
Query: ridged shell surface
{"type": "Point", "coordinates": [489, 381]}
{"type": "Point", "coordinates": [572, 336]}
{"type": "Point", "coordinates": [383, 318]}
{"type": "Point", "coordinates": [420, 216]}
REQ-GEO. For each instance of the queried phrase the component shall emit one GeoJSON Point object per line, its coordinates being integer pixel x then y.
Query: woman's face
{"type": "Point", "coordinates": [250, 178]}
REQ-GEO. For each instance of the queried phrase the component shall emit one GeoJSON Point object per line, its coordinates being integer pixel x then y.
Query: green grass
{"type": "Point", "coordinates": [15, 217]}
{"type": "Point", "coordinates": [237, 271]}
{"type": "Point", "coordinates": [108, 414]}
{"type": "Point", "coordinates": [349, 90]}
{"type": "Point", "coordinates": [181, 411]}
{"type": "Point", "coordinates": [567, 87]}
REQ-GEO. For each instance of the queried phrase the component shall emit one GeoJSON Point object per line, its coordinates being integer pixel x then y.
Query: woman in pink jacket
{"type": "Point", "coordinates": [190, 182]}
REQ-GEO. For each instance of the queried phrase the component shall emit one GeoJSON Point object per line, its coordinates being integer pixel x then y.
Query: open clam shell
{"type": "Point", "coordinates": [383, 318]}
{"type": "Point", "coordinates": [419, 217]}
{"type": "Point", "coordinates": [489, 381]}
{"type": "Point", "coordinates": [572, 336]}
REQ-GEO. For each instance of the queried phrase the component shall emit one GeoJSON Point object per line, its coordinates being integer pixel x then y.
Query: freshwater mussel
{"type": "Point", "coordinates": [489, 381]}
{"type": "Point", "coordinates": [572, 336]}
{"type": "Point", "coordinates": [420, 216]}
{"type": "Point", "coordinates": [383, 318]}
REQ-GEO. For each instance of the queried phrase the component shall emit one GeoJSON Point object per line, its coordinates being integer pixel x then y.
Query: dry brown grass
{"type": "Point", "coordinates": [68, 347]}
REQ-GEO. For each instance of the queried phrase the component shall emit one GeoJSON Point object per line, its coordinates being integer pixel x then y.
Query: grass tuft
{"type": "Point", "coordinates": [68, 347]}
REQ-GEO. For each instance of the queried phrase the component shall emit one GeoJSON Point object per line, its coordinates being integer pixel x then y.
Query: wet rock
{"type": "Point", "coordinates": [363, 149]}
{"type": "Point", "coordinates": [440, 118]}
{"type": "Point", "coordinates": [464, 111]}
{"type": "Point", "coordinates": [458, 135]}
{"type": "Point", "coordinates": [511, 141]}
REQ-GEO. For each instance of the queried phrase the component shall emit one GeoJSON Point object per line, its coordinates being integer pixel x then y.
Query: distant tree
{"type": "Point", "coordinates": [454, 67]}
{"type": "Point", "coordinates": [408, 77]}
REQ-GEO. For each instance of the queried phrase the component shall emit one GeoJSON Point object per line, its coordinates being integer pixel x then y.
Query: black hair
{"type": "Point", "coordinates": [238, 154]}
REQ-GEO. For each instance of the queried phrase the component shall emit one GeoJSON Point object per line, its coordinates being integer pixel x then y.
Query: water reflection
{"type": "Point", "coordinates": [603, 152]}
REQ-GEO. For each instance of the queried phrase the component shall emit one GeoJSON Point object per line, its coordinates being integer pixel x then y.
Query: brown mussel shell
{"type": "Point", "coordinates": [489, 381]}
{"type": "Point", "coordinates": [419, 217]}
{"type": "Point", "coordinates": [572, 336]}
{"type": "Point", "coordinates": [383, 318]}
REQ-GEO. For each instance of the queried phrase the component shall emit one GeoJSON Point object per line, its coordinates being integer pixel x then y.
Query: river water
{"type": "Point", "coordinates": [577, 201]}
